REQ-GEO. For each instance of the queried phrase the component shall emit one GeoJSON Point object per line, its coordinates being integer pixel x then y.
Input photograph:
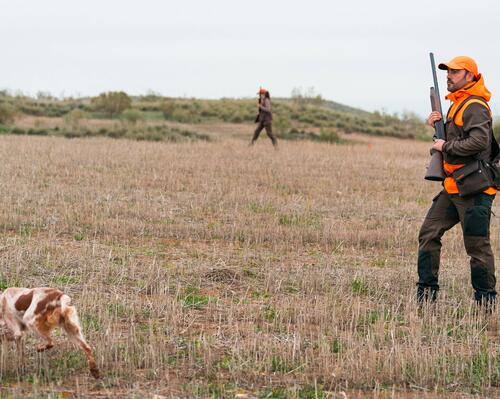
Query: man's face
{"type": "Point", "coordinates": [458, 78]}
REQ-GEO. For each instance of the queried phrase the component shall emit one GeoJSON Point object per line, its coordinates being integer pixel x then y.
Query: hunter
{"type": "Point", "coordinates": [264, 118]}
{"type": "Point", "coordinates": [468, 138]}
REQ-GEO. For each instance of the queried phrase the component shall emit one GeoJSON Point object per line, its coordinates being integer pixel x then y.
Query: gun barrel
{"type": "Point", "coordinates": [436, 85]}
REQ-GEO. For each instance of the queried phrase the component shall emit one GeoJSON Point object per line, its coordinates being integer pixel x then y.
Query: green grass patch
{"type": "Point", "coordinates": [273, 393]}
{"type": "Point", "coordinates": [118, 310]}
{"type": "Point", "coordinates": [78, 236]}
{"type": "Point", "coordinates": [269, 313]}
{"type": "Point", "coordinates": [336, 346]}
{"type": "Point", "coordinates": [65, 280]}
{"type": "Point", "coordinates": [5, 129]}
{"type": "Point", "coordinates": [193, 299]}
{"type": "Point", "coordinates": [326, 135]}
{"type": "Point", "coordinates": [91, 321]}
{"type": "Point", "coordinates": [3, 283]}
{"type": "Point", "coordinates": [281, 365]}
{"type": "Point", "coordinates": [307, 220]}
{"type": "Point", "coordinates": [359, 287]}
{"type": "Point", "coordinates": [256, 207]}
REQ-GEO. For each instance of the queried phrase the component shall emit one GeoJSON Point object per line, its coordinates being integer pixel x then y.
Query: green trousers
{"type": "Point", "coordinates": [269, 131]}
{"type": "Point", "coordinates": [474, 214]}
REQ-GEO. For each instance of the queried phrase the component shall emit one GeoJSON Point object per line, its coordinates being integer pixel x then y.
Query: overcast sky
{"type": "Point", "coordinates": [367, 54]}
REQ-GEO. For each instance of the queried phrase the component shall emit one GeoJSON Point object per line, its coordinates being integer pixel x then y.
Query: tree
{"type": "Point", "coordinates": [112, 103]}
{"type": "Point", "coordinates": [308, 96]}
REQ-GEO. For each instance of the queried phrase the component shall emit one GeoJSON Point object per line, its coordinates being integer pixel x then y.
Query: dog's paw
{"type": "Point", "coordinates": [95, 373]}
{"type": "Point", "coordinates": [43, 348]}
{"type": "Point", "coordinates": [8, 336]}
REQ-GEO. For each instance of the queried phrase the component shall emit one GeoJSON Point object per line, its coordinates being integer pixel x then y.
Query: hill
{"type": "Point", "coordinates": [150, 117]}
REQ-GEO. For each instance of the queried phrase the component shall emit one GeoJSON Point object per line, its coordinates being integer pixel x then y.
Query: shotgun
{"type": "Point", "coordinates": [258, 113]}
{"type": "Point", "coordinates": [435, 170]}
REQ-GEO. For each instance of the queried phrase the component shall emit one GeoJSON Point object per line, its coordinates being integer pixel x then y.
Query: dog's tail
{"type": "Point", "coordinates": [65, 301]}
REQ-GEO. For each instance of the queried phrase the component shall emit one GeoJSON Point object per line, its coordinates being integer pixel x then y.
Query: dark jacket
{"type": "Point", "coordinates": [469, 131]}
{"type": "Point", "coordinates": [265, 113]}
{"type": "Point", "coordinates": [468, 134]}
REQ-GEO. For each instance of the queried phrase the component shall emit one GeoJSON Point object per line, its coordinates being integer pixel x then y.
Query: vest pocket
{"type": "Point", "coordinates": [472, 178]}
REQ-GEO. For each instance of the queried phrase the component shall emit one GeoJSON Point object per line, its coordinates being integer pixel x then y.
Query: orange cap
{"type": "Point", "coordinates": [262, 91]}
{"type": "Point", "coordinates": [461, 62]}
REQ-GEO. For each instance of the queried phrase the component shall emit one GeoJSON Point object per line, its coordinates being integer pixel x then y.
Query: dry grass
{"type": "Point", "coordinates": [217, 270]}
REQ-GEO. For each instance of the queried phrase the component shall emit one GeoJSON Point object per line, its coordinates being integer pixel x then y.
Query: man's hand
{"type": "Point", "coordinates": [438, 145]}
{"type": "Point", "coordinates": [434, 117]}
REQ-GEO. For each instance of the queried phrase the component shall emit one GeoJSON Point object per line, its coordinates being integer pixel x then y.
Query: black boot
{"type": "Point", "coordinates": [426, 294]}
{"type": "Point", "coordinates": [487, 300]}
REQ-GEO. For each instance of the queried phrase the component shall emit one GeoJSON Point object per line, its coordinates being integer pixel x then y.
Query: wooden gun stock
{"type": "Point", "coordinates": [436, 106]}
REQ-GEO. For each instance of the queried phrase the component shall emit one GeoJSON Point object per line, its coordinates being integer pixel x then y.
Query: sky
{"type": "Point", "coordinates": [368, 54]}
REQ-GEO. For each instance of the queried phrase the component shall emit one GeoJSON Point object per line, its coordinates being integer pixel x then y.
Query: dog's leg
{"type": "Point", "coordinates": [15, 329]}
{"type": "Point", "coordinates": [71, 325]}
{"type": "Point", "coordinates": [21, 359]}
{"type": "Point", "coordinates": [14, 326]}
{"type": "Point", "coordinates": [41, 326]}
{"type": "Point", "coordinates": [45, 335]}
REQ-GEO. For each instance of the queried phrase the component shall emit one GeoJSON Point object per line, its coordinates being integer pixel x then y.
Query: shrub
{"type": "Point", "coordinates": [329, 136]}
{"type": "Point", "coordinates": [74, 117]}
{"type": "Point", "coordinates": [237, 118]}
{"type": "Point", "coordinates": [139, 132]}
{"type": "Point", "coordinates": [112, 103]}
{"type": "Point", "coordinates": [281, 124]}
{"type": "Point", "coordinates": [132, 116]}
{"type": "Point", "coordinates": [7, 113]}
{"type": "Point", "coordinates": [295, 134]}
{"type": "Point", "coordinates": [167, 108]}
{"type": "Point", "coordinates": [183, 115]}
{"type": "Point", "coordinates": [37, 132]}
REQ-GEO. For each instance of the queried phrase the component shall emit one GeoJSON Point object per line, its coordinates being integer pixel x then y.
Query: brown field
{"type": "Point", "coordinates": [212, 269]}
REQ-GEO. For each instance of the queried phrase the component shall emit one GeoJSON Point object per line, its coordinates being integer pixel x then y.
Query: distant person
{"type": "Point", "coordinates": [264, 118]}
{"type": "Point", "coordinates": [469, 137]}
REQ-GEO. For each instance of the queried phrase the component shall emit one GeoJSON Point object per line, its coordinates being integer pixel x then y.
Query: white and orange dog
{"type": "Point", "coordinates": [41, 310]}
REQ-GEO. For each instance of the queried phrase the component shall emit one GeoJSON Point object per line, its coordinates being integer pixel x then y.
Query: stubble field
{"type": "Point", "coordinates": [212, 269]}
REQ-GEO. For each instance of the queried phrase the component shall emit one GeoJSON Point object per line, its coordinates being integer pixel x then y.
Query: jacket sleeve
{"type": "Point", "coordinates": [477, 123]}
{"type": "Point", "coordinates": [266, 106]}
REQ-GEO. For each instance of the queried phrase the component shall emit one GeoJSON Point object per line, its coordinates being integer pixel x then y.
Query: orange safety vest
{"type": "Point", "coordinates": [450, 185]}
